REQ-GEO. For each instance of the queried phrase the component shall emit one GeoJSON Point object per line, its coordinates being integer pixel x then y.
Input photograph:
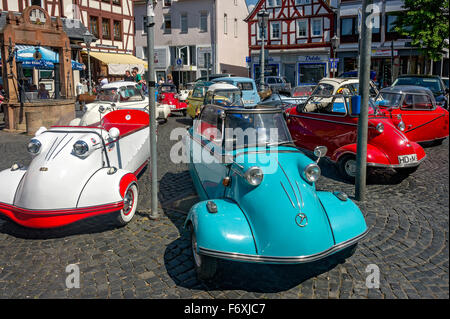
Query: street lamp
{"type": "Point", "coordinates": [87, 37]}
{"type": "Point", "coordinates": [263, 19]}
{"type": "Point", "coordinates": [335, 41]}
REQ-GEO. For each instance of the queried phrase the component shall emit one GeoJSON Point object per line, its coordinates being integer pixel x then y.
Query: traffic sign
{"type": "Point", "coordinates": [179, 62]}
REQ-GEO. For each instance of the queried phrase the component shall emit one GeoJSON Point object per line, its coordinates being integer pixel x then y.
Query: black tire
{"type": "Point", "coordinates": [184, 112]}
{"type": "Point", "coordinates": [405, 171]}
{"type": "Point", "coordinates": [437, 142]}
{"type": "Point", "coordinates": [344, 164]}
{"type": "Point", "coordinates": [347, 252]}
{"type": "Point", "coordinates": [205, 266]}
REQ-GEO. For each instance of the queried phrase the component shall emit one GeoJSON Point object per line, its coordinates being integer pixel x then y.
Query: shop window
{"type": "Point", "coordinates": [106, 29]}
{"type": "Point", "coordinates": [311, 73]}
{"type": "Point", "coordinates": [117, 30]}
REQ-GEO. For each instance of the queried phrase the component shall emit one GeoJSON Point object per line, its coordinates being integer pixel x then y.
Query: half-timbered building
{"type": "Point", "coordinates": [297, 39]}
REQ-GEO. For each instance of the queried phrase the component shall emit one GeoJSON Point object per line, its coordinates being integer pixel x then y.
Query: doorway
{"type": "Point", "coordinates": [289, 73]}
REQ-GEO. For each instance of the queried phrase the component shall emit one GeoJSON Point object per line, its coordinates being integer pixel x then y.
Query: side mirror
{"type": "Point", "coordinates": [114, 132]}
{"type": "Point", "coordinates": [320, 151]}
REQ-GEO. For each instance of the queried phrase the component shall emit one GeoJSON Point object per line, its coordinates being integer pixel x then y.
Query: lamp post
{"type": "Point", "coordinates": [87, 37]}
{"type": "Point", "coordinates": [335, 41]}
{"type": "Point", "coordinates": [263, 18]}
{"type": "Point", "coordinates": [150, 4]}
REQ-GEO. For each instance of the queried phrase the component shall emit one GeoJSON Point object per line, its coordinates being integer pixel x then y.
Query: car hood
{"type": "Point", "coordinates": [273, 209]}
{"type": "Point", "coordinates": [55, 177]}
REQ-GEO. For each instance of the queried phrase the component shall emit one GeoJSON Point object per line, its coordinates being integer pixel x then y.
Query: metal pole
{"type": "Point", "coordinates": [89, 69]}
{"type": "Point", "coordinates": [392, 62]}
{"type": "Point", "coordinates": [207, 58]}
{"type": "Point", "coordinates": [152, 109]}
{"type": "Point", "coordinates": [263, 36]}
{"type": "Point", "coordinates": [364, 79]}
{"type": "Point", "coordinates": [334, 64]}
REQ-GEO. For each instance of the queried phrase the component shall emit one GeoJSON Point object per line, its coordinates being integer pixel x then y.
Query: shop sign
{"type": "Point", "coordinates": [312, 58]}
{"type": "Point", "coordinates": [383, 53]}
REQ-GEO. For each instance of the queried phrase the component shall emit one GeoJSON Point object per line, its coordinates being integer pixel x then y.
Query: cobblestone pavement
{"type": "Point", "coordinates": [408, 241]}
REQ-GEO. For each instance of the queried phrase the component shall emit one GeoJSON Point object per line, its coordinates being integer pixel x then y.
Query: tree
{"type": "Point", "coordinates": [426, 23]}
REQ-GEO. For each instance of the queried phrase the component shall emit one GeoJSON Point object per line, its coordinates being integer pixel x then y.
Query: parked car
{"type": "Point", "coordinates": [331, 121]}
{"type": "Point", "coordinates": [168, 95]}
{"type": "Point", "coordinates": [282, 100]}
{"type": "Point", "coordinates": [78, 172]}
{"type": "Point", "coordinates": [258, 202]}
{"type": "Point", "coordinates": [196, 99]}
{"type": "Point", "coordinates": [432, 82]}
{"type": "Point", "coordinates": [275, 83]}
{"type": "Point", "coordinates": [115, 96]}
{"type": "Point", "coordinates": [347, 86]}
{"type": "Point", "coordinates": [186, 91]}
{"type": "Point", "coordinates": [247, 86]}
{"type": "Point", "coordinates": [213, 76]}
{"type": "Point", "coordinates": [446, 82]}
{"type": "Point", "coordinates": [414, 111]}
{"type": "Point", "coordinates": [302, 91]}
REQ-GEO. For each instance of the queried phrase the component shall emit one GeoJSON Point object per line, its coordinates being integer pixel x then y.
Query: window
{"type": "Point", "coordinates": [144, 24]}
{"type": "Point", "coordinates": [167, 23]}
{"type": "Point", "coordinates": [184, 23]}
{"type": "Point", "coordinates": [106, 29]}
{"type": "Point", "coordinates": [275, 30]}
{"type": "Point", "coordinates": [116, 2]}
{"type": "Point", "coordinates": [225, 24]}
{"type": "Point", "coordinates": [316, 25]}
{"type": "Point", "coordinates": [297, 2]}
{"type": "Point", "coordinates": [302, 28]}
{"type": "Point", "coordinates": [118, 30]}
{"type": "Point", "coordinates": [390, 23]}
{"type": "Point", "coordinates": [274, 3]}
{"type": "Point", "coordinates": [347, 26]}
{"type": "Point", "coordinates": [93, 26]}
{"type": "Point", "coordinates": [167, 3]}
{"type": "Point", "coordinates": [204, 22]}
{"type": "Point", "coordinates": [235, 28]}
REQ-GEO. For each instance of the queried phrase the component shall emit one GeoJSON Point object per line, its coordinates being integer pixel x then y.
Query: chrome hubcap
{"type": "Point", "coordinates": [197, 258]}
{"type": "Point", "coordinates": [350, 168]}
{"type": "Point", "coordinates": [128, 202]}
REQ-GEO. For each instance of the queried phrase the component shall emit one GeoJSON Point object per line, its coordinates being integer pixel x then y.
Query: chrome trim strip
{"type": "Point", "coordinates": [301, 197]}
{"type": "Point", "coordinates": [287, 194]}
{"type": "Point", "coordinates": [281, 259]}
{"type": "Point", "coordinates": [323, 120]}
{"type": "Point", "coordinates": [397, 165]}
{"type": "Point", "coordinates": [296, 198]}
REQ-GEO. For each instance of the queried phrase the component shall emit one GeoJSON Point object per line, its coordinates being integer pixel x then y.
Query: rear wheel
{"type": "Point", "coordinates": [130, 201]}
{"type": "Point", "coordinates": [205, 266]}
{"type": "Point", "coordinates": [347, 167]}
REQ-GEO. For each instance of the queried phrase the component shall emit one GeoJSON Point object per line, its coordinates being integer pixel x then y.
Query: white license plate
{"type": "Point", "coordinates": [249, 101]}
{"type": "Point", "coordinates": [407, 159]}
{"type": "Point", "coordinates": [173, 107]}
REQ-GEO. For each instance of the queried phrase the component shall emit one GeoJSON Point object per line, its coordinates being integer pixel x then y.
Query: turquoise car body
{"type": "Point", "coordinates": [250, 95]}
{"type": "Point", "coordinates": [264, 223]}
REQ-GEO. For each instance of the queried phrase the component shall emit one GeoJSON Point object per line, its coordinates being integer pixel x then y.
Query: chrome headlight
{"type": "Point", "coordinates": [254, 175]}
{"type": "Point", "coordinates": [34, 146]}
{"type": "Point", "coordinates": [312, 173]}
{"type": "Point", "coordinates": [401, 126]}
{"type": "Point", "coordinates": [380, 127]}
{"type": "Point", "coordinates": [80, 148]}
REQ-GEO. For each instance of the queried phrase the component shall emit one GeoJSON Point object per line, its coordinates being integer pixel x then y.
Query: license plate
{"type": "Point", "coordinates": [248, 101]}
{"type": "Point", "coordinates": [407, 159]}
{"type": "Point", "coordinates": [173, 107]}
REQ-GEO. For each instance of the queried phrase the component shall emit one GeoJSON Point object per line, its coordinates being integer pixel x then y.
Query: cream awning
{"type": "Point", "coordinates": [118, 63]}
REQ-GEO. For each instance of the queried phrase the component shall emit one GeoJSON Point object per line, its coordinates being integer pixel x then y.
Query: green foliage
{"type": "Point", "coordinates": [426, 22]}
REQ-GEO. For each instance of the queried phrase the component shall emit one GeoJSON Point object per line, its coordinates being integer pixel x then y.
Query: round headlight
{"type": "Point", "coordinates": [80, 148]}
{"type": "Point", "coordinates": [34, 146]}
{"type": "Point", "coordinates": [312, 172]}
{"type": "Point", "coordinates": [401, 126]}
{"type": "Point", "coordinates": [254, 176]}
{"type": "Point", "coordinates": [380, 127]}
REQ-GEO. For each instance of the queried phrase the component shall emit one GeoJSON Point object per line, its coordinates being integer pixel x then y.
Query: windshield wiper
{"type": "Point", "coordinates": [278, 143]}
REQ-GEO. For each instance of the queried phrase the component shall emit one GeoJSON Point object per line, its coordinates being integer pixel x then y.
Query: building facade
{"type": "Point", "coordinates": [187, 30]}
{"type": "Point", "coordinates": [297, 40]}
{"type": "Point", "coordinates": [392, 54]}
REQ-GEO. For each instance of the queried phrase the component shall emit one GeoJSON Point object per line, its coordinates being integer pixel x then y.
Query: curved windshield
{"type": "Point", "coordinates": [389, 99]}
{"type": "Point", "coordinates": [323, 89]}
{"type": "Point", "coordinates": [255, 129]}
{"type": "Point", "coordinates": [227, 98]}
{"type": "Point", "coordinates": [130, 93]}
{"type": "Point", "coordinates": [108, 95]}
{"type": "Point", "coordinates": [430, 83]}
{"type": "Point", "coordinates": [168, 89]}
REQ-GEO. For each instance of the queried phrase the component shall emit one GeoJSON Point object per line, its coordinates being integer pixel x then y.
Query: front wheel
{"type": "Point", "coordinates": [130, 201]}
{"type": "Point", "coordinates": [205, 266]}
{"type": "Point", "coordinates": [347, 167]}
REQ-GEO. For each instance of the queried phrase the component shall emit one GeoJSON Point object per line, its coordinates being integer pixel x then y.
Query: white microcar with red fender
{"type": "Point", "coordinates": [78, 172]}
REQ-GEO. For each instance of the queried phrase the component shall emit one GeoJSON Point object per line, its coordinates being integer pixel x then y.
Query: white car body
{"type": "Point", "coordinates": [95, 111]}
{"type": "Point", "coordinates": [60, 186]}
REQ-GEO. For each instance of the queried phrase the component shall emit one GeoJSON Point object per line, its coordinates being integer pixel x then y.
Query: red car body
{"type": "Point", "coordinates": [310, 125]}
{"type": "Point", "coordinates": [415, 107]}
{"type": "Point", "coordinates": [168, 95]}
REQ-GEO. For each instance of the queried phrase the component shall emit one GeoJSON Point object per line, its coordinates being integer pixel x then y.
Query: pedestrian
{"type": "Point", "coordinates": [103, 80]}
{"type": "Point", "coordinates": [161, 81]}
{"type": "Point", "coordinates": [169, 79]}
{"type": "Point", "coordinates": [128, 76]}
{"type": "Point", "coordinates": [42, 92]}
{"type": "Point", "coordinates": [137, 77]}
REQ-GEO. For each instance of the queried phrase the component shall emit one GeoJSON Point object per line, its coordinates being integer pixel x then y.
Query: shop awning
{"type": "Point", "coordinates": [118, 63]}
